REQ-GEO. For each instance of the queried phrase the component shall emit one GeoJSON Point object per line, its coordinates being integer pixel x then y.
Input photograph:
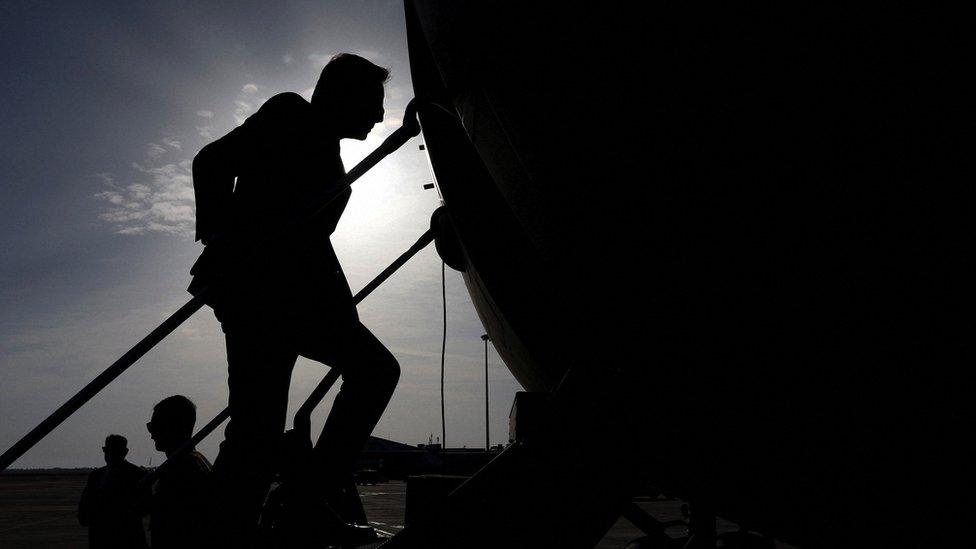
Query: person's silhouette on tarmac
{"type": "Point", "coordinates": [290, 297]}
{"type": "Point", "coordinates": [181, 500]}
{"type": "Point", "coordinates": [113, 502]}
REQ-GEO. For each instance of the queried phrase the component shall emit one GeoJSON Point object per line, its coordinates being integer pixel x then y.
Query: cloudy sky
{"type": "Point", "coordinates": [102, 107]}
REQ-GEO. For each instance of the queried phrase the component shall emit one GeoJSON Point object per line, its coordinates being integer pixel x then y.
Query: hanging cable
{"type": "Point", "coordinates": [484, 337]}
{"type": "Point", "coordinates": [443, 354]}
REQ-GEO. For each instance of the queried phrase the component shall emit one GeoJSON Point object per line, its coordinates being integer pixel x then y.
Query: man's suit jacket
{"type": "Point", "coordinates": [268, 260]}
{"type": "Point", "coordinates": [112, 505]}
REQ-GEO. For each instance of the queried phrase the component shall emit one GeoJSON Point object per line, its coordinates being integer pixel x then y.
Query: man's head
{"type": "Point", "coordinates": [172, 422]}
{"type": "Point", "coordinates": [116, 448]}
{"type": "Point", "coordinates": [349, 94]}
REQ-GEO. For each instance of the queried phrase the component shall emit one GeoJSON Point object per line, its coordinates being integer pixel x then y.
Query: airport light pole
{"type": "Point", "coordinates": [484, 337]}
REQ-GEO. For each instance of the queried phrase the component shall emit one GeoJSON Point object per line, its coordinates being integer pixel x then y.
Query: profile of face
{"type": "Point", "coordinates": [359, 111]}
{"type": "Point", "coordinates": [167, 435]}
{"type": "Point", "coordinates": [114, 453]}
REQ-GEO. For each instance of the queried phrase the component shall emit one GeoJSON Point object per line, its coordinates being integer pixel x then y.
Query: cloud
{"type": "Point", "coordinates": [106, 178]}
{"type": "Point", "coordinates": [205, 132]}
{"type": "Point", "coordinates": [159, 198]}
{"type": "Point", "coordinates": [287, 59]}
{"type": "Point", "coordinates": [172, 142]}
{"type": "Point", "coordinates": [320, 59]}
{"type": "Point", "coordinates": [139, 191]}
{"type": "Point", "coordinates": [241, 110]}
{"type": "Point", "coordinates": [172, 213]}
{"type": "Point", "coordinates": [111, 196]}
{"type": "Point", "coordinates": [205, 114]}
{"type": "Point", "coordinates": [155, 150]}
{"type": "Point", "coordinates": [249, 89]}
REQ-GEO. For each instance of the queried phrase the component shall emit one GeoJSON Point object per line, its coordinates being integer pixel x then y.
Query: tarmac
{"type": "Point", "coordinates": [40, 511]}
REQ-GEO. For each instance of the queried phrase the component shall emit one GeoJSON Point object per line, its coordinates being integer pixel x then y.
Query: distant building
{"type": "Point", "coordinates": [398, 460]}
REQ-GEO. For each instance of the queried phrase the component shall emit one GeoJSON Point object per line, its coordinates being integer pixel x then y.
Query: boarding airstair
{"type": "Point", "coordinates": [298, 437]}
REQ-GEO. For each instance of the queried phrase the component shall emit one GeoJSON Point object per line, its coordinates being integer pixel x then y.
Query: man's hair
{"type": "Point", "coordinates": [346, 71]}
{"type": "Point", "coordinates": [116, 441]}
{"type": "Point", "coordinates": [178, 409]}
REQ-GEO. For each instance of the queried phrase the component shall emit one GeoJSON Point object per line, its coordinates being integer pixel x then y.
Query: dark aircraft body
{"type": "Point", "coordinates": [734, 244]}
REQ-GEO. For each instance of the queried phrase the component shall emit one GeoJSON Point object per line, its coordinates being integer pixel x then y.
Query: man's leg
{"type": "Point", "coordinates": [369, 376]}
{"type": "Point", "coordinates": [260, 363]}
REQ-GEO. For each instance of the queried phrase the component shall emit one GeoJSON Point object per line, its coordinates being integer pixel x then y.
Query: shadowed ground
{"type": "Point", "coordinates": [40, 511]}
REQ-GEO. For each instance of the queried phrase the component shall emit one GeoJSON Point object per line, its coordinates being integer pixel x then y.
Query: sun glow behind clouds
{"type": "Point", "coordinates": [377, 196]}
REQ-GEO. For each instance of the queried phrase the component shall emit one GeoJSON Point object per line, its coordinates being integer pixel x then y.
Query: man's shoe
{"type": "Point", "coordinates": [300, 520]}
